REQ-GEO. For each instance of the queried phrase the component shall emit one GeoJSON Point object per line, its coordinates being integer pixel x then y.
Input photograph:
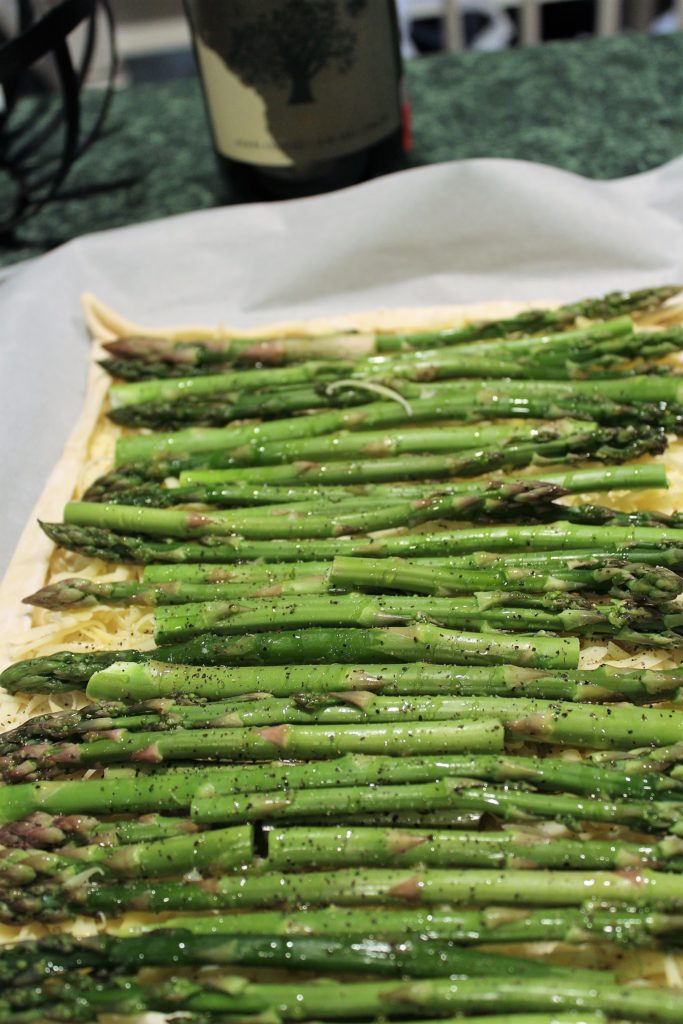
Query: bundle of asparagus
{"type": "Point", "coordinates": [365, 744]}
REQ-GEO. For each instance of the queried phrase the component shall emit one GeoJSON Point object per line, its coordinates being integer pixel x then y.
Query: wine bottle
{"type": "Point", "coordinates": [303, 96]}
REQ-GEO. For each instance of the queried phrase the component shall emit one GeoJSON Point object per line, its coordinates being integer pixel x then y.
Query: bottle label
{"type": "Point", "coordinates": [296, 82]}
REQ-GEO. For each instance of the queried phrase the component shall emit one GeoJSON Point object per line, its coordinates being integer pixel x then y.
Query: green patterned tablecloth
{"type": "Point", "coordinates": [602, 108]}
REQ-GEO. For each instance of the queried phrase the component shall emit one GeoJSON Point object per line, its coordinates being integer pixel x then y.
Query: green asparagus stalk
{"type": "Point", "coordinates": [581, 344]}
{"type": "Point", "coordinates": [27, 822]}
{"type": "Point", "coordinates": [174, 414]}
{"type": "Point", "coordinates": [294, 521]}
{"type": "Point", "coordinates": [43, 830]}
{"type": "Point", "coordinates": [374, 443]}
{"type": "Point", "coordinates": [173, 789]}
{"type": "Point", "coordinates": [459, 795]}
{"type": "Point", "coordinates": [35, 962]}
{"type": "Point", "coordinates": [157, 495]}
{"type": "Point", "coordinates": [548, 561]}
{"type": "Point", "coordinates": [179, 445]}
{"type": "Point", "coordinates": [574, 354]}
{"type": "Point", "coordinates": [354, 887]}
{"type": "Point", "coordinates": [498, 610]}
{"type": "Point", "coordinates": [645, 759]}
{"type": "Point", "coordinates": [327, 847]}
{"type": "Point", "coordinates": [250, 351]}
{"type": "Point", "coordinates": [192, 410]}
{"type": "Point", "coordinates": [212, 852]}
{"type": "Point", "coordinates": [601, 514]}
{"type": "Point", "coordinates": [227, 995]}
{"type": "Point", "coordinates": [152, 397]}
{"type": "Point", "coordinates": [650, 584]}
{"type": "Point", "coordinates": [84, 593]}
{"type": "Point", "coordinates": [125, 995]}
{"type": "Point", "coordinates": [592, 360]}
{"type": "Point", "coordinates": [282, 351]}
{"type": "Point", "coordinates": [270, 729]}
{"type": "Point", "coordinates": [569, 538]}
{"type": "Point", "coordinates": [135, 681]}
{"type": "Point", "coordinates": [615, 304]}
{"type": "Point", "coordinates": [628, 927]}
{"type": "Point", "coordinates": [67, 670]}
{"type": "Point", "coordinates": [221, 410]}
{"type": "Point", "coordinates": [276, 742]}
{"type": "Point", "coordinates": [238, 381]}
{"type": "Point", "coordinates": [590, 441]}
{"type": "Point", "coordinates": [303, 520]}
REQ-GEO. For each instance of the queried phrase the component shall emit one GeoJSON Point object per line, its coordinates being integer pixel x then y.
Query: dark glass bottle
{"type": "Point", "coordinates": [303, 96]}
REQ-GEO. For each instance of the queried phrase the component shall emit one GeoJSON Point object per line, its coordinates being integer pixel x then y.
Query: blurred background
{"type": "Point", "coordinates": [590, 86]}
{"type": "Point", "coordinates": [154, 43]}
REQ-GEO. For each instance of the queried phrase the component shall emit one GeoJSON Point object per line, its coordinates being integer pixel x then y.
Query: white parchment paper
{"type": "Point", "coordinates": [477, 230]}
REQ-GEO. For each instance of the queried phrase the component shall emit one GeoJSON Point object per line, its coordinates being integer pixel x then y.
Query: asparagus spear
{"type": "Point", "coordinates": [271, 743]}
{"type": "Point", "coordinates": [642, 582]}
{"type": "Point", "coordinates": [297, 848]}
{"type": "Point", "coordinates": [460, 795]}
{"type": "Point", "coordinates": [234, 998]}
{"type": "Point", "coordinates": [372, 444]}
{"type": "Point", "coordinates": [167, 356]}
{"type": "Point", "coordinates": [353, 345]}
{"type": "Point", "coordinates": [573, 354]}
{"type": "Point", "coordinates": [540, 563]}
{"type": "Point", "coordinates": [589, 441]}
{"type": "Point", "coordinates": [213, 851]}
{"type": "Point", "coordinates": [349, 444]}
{"type": "Point", "coordinates": [549, 561]}
{"type": "Point", "coordinates": [277, 402]}
{"type": "Point", "coordinates": [182, 444]}
{"type": "Point", "coordinates": [133, 1002]}
{"type": "Point", "coordinates": [625, 926]}
{"type": "Point", "coordinates": [241, 496]}
{"type": "Point", "coordinates": [423, 365]}
{"type": "Point", "coordinates": [354, 887]}
{"type": "Point", "coordinates": [133, 681]}
{"type": "Point", "coordinates": [601, 514]}
{"type": "Point", "coordinates": [220, 409]}
{"type": "Point", "coordinates": [615, 304]}
{"type": "Point", "coordinates": [173, 789]}
{"type": "Point", "coordinates": [293, 521]}
{"type": "Point", "coordinates": [34, 962]}
{"type": "Point", "coordinates": [498, 610]}
{"type": "Point", "coordinates": [249, 351]}
{"type": "Point", "coordinates": [66, 670]}
{"type": "Point", "coordinates": [84, 593]}
{"type": "Point", "coordinates": [270, 729]}
{"type": "Point", "coordinates": [535, 501]}
{"type": "Point", "coordinates": [570, 538]}
{"type": "Point", "coordinates": [298, 388]}
{"type": "Point", "coordinates": [39, 829]}
{"type": "Point", "coordinates": [599, 443]}
{"type": "Point", "coordinates": [174, 414]}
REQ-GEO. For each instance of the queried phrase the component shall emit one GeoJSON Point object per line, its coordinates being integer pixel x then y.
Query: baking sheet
{"type": "Point", "coordinates": [470, 231]}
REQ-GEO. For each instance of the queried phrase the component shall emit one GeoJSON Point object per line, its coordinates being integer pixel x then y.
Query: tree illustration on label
{"type": "Point", "coordinates": [288, 46]}
{"type": "Point", "coordinates": [295, 85]}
